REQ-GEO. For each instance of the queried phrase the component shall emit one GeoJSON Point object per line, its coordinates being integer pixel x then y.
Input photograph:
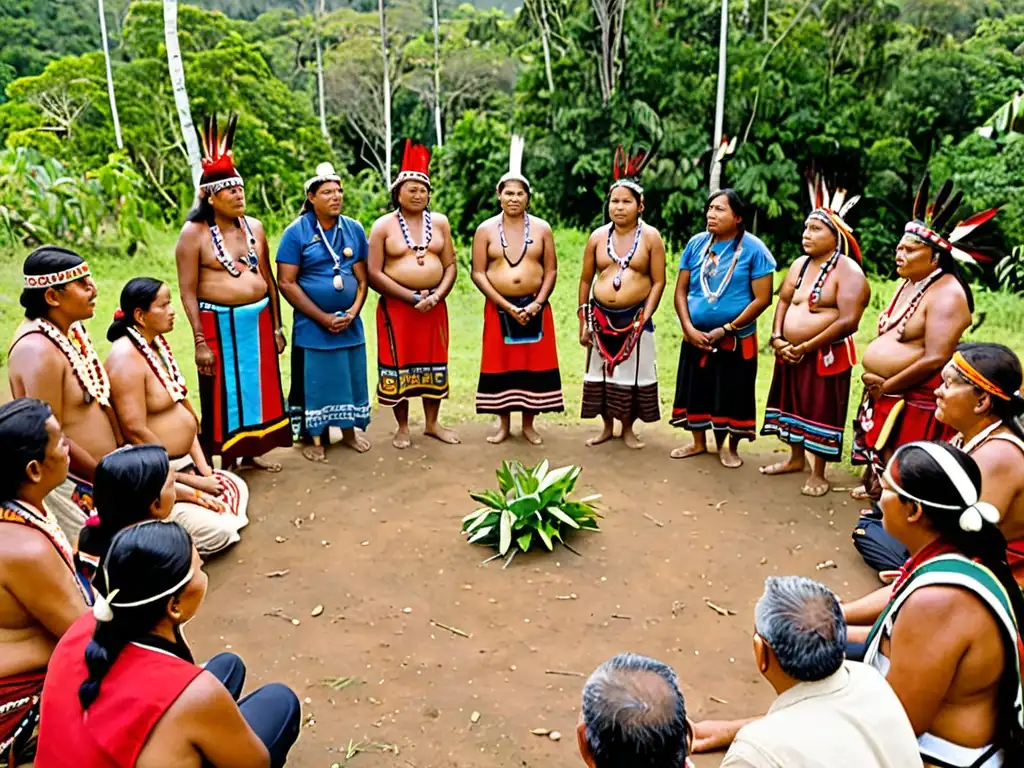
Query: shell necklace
{"type": "Point", "coordinates": [709, 268]}
{"type": "Point", "coordinates": [419, 250]}
{"type": "Point", "coordinates": [504, 243]}
{"type": "Point", "coordinates": [339, 281]}
{"type": "Point", "coordinates": [161, 362]}
{"type": "Point", "coordinates": [250, 260]}
{"type": "Point", "coordinates": [819, 282]}
{"type": "Point", "coordinates": [978, 439]}
{"type": "Point", "coordinates": [622, 261]}
{"type": "Point", "coordinates": [85, 363]}
{"type": "Point", "coordinates": [886, 322]}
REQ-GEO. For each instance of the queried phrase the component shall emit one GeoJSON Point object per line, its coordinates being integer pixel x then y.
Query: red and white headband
{"type": "Point", "coordinates": [928, 235]}
{"type": "Point", "coordinates": [63, 277]}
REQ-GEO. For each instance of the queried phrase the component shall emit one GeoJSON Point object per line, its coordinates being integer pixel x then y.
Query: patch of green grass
{"type": "Point", "coordinates": [998, 317]}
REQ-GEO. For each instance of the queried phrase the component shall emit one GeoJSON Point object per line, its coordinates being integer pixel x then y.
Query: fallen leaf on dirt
{"type": "Point", "coordinates": [826, 564]}
{"type": "Point", "coordinates": [677, 607]}
{"type": "Point", "coordinates": [763, 560]}
{"type": "Point", "coordinates": [571, 596]}
{"type": "Point", "coordinates": [540, 731]}
{"type": "Point", "coordinates": [277, 574]}
{"type": "Point", "coordinates": [721, 504]}
{"type": "Point", "coordinates": [340, 683]}
{"type": "Point", "coordinates": [316, 611]}
{"type": "Point", "coordinates": [280, 539]}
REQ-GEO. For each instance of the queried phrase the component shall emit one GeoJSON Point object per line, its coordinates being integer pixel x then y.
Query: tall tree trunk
{"type": "Point", "coordinates": [716, 167]}
{"type": "Point", "coordinates": [110, 77]}
{"type": "Point", "coordinates": [387, 93]}
{"type": "Point", "coordinates": [766, 21]}
{"type": "Point", "coordinates": [545, 33]}
{"type": "Point", "coordinates": [320, 71]}
{"type": "Point", "coordinates": [177, 70]}
{"type": "Point", "coordinates": [437, 80]}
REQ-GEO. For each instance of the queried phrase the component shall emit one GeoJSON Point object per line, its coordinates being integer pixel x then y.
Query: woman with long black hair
{"type": "Point", "coordinates": [725, 283]}
{"type": "Point", "coordinates": [122, 688]}
{"type": "Point", "coordinates": [133, 484]}
{"type": "Point", "coordinates": [946, 634]}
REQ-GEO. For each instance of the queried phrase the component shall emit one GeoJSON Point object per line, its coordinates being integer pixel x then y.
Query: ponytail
{"type": "Point", "coordinates": [138, 293]}
{"type": "Point", "coordinates": [143, 560]}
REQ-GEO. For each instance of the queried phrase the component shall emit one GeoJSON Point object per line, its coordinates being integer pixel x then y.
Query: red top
{"type": "Point", "coordinates": [140, 687]}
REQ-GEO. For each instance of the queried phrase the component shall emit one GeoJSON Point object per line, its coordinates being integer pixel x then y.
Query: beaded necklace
{"type": "Point", "coordinates": [339, 281]}
{"type": "Point", "coordinates": [161, 361]}
{"type": "Point", "coordinates": [819, 282]}
{"type": "Point", "coordinates": [978, 439]}
{"type": "Point", "coordinates": [886, 322]}
{"type": "Point", "coordinates": [251, 260]}
{"type": "Point", "coordinates": [504, 243]}
{"type": "Point", "coordinates": [709, 268]}
{"type": "Point", "coordinates": [85, 363]}
{"type": "Point", "coordinates": [622, 261]}
{"type": "Point", "coordinates": [419, 250]}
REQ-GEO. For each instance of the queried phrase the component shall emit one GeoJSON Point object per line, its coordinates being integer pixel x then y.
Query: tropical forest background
{"type": "Point", "coordinates": [870, 92]}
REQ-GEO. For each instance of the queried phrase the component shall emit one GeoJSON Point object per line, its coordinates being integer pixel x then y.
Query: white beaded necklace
{"type": "Point", "coordinates": [428, 234]}
{"type": "Point", "coordinates": [709, 268]}
{"type": "Point", "coordinates": [622, 261]}
{"type": "Point", "coordinates": [161, 361]}
{"type": "Point", "coordinates": [885, 320]}
{"type": "Point", "coordinates": [251, 260]}
{"type": "Point", "coordinates": [85, 363]}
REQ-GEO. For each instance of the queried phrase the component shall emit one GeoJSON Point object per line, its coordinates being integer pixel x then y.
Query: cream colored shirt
{"type": "Point", "coordinates": [849, 720]}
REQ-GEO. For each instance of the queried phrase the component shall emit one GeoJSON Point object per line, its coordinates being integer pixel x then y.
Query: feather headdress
{"type": "Point", "coordinates": [415, 165]}
{"type": "Point", "coordinates": [218, 161]}
{"type": "Point", "coordinates": [931, 222]}
{"type": "Point", "coordinates": [515, 164]}
{"type": "Point", "coordinates": [831, 209]}
{"type": "Point", "coordinates": [627, 169]}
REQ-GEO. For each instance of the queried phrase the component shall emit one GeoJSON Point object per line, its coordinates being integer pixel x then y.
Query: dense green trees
{"type": "Point", "coordinates": [870, 91]}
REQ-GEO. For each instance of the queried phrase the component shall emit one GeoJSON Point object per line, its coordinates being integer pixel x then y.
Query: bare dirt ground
{"type": "Point", "coordinates": [375, 540]}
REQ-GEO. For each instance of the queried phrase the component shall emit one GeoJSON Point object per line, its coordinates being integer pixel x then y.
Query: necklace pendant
{"type": "Point", "coordinates": [87, 397]}
{"type": "Point", "coordinates": [339, 283]}
{"type": "Point", "coordinates": [712, 299]}
{"type": "Point", "coordinates": [617, 282]}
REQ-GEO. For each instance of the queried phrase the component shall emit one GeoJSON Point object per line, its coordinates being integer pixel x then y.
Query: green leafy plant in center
{"type": "Point", "coordinates": [530, 504]}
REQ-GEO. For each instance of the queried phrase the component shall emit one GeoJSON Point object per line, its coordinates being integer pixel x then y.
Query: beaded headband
{"type": "Point", "coordinates": [324, 172]}
{"type": "Point", "coordinates": [628, 184]}
{"type": "Point", "coordinates": [930, 236]}
{"type": "Point", "coordinates": [820, 214]}
{"type": "Point", "coordinates": [972, 375]}
{"type": "Point", "coordinates": [405, 176]}
{"type": "Point", "coordinates": [214, 187]}
{"type": "Point", "coordinates": [61, 277]}
{"type": "Point", "coordinates": [977, 511]}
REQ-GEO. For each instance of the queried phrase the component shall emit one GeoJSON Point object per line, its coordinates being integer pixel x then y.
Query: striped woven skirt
{"type": "Point", "coordinates": [627, 390]}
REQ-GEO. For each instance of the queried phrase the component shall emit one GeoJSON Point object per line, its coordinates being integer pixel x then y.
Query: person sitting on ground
{"type": "Point", "coordinates": [133, 484]}
{"type": "Point", "coordinates": [122, 687]}
{"type": "Point", "coordinates": [40, 598]}
{"type": "Point", "coordinates": [634, 716]}
{"type": "Point", "coordinates": [148, 393]}
{"type": "Point", "coordinates": [843, 715]}
{"type": "Point", "coordinates": [946, 634]}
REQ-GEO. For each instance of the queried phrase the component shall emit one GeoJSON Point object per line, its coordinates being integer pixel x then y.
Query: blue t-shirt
{"type": "Point", "coordinates": [755, 260]}
{"type": "Point", "coordinates": [301, 245]}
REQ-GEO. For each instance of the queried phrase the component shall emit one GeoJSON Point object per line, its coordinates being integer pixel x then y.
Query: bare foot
{"type": "Point", "coordinates": [630, 439]}
{"type": "Point", "coordinates": [729, 458]}
{"type": "Point", "coordinates": [816, 487]}
{"type": "Point", "coordinates": [401, 439]}
{"type": "Point", "coordinates": [685, 452]}
{"type": "Point", "coordinates": [356, 442]}
{"type": "Point", "coordinates": [443, 434]}
{"type": "Point", "coordinates": [315, 453]}
{"type": "Point", "coordinates": [782, 467]}
{"type": "Point", "coordinates": [606, 434]}
{"type": "Point", "coordinates": [258, 462]}
{"type": "Point", "coordinates": [860, 493]}
{"type": "Point", "coordinates": [500, 436]}
{"type": "Point", "coordinates": [532, 435]}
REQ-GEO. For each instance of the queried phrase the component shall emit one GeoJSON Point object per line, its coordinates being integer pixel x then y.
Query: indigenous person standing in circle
{"type": "Point", "coordinates": [52, 359]}
{"type": "Point", "coordinates": [620, 288]}
{"type": "Point", "coordinates": [321, 268]}
{"type": "Point", "coordinates": [946, 635]}
{"type": "Point", "coordinates": [514, 266]}
{"type": "Point", "coordinates": [230, 298]}
{"type": "Point", "coordinates": [40, 595]}
{"type": "Point", "coordinates": [151, 401]}
{"type": "Point", "coordinates": [980, 398]}
{"type": "Point", "coordinates": [820, 306]}
{"type": "Point", "coordinates": [122, 686]}
{"type": "Point", "coordinates": [917, 333]}
{"type": "Point", "coordinates": [725, 283]}
{"type": "Point", "coordinates": [412, 266]}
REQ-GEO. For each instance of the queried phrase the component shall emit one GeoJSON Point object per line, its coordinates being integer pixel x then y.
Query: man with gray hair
{"type": "Point", "coordinates": [633, 716]}
{"type": "Point", "coordinates": [829, 712]}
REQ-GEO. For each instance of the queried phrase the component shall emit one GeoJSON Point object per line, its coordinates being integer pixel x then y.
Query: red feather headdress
{"type": "Point", "coordinates": [931, 220]}
{"type": "Point", "coordinates": [626, 169]}
{"type": "Point", "coordinates": [415, 165]}
{"type": "Point", "coordinates": [832, 210]}
{"type": "Point", "coordinates": [218, 162]}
